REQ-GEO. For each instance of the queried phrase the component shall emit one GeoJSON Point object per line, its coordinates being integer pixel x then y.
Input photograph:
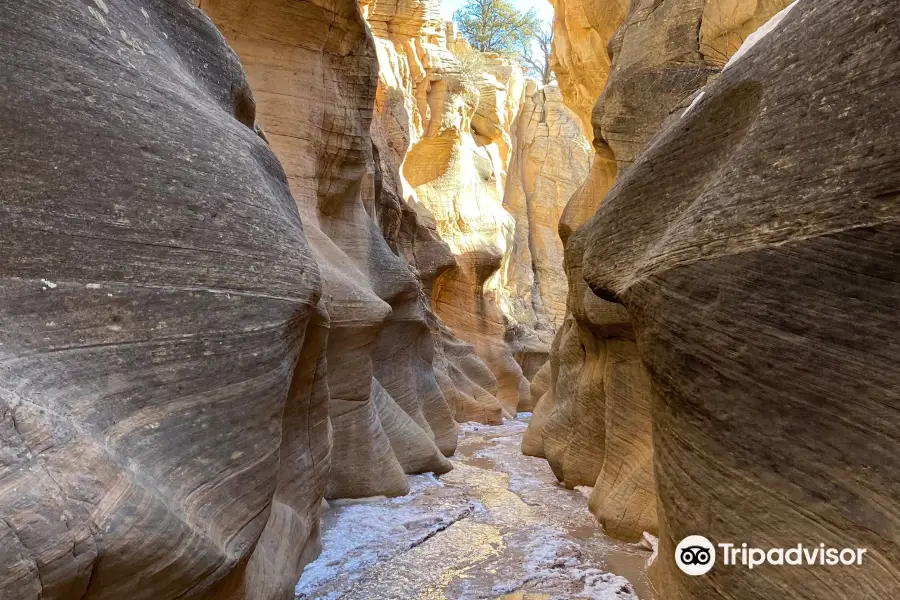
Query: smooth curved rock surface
{"type": "Point", "coordinates": [379, 337]}
{"type": "Point", "coordinates": [540, 385]}
{"type": "Point", "coordinates": [726, 24]}
{"type": "Point", "coordinates": [599, 431]}
{"type": "Point", "coordinates": [660, 59]}
{"type": "Point", "coordinates": [406, 37]}
{"type": "Point", "coordinates": [593, 425]}
{"type": "Point", "coordinates": [157, 293]}
{"type": "Point", "coordinates": [580, 59]}
{"type": "Point", "coordinates": [458, 174]}
{"type": "Point", "coordinates": [533, 437]}
{"type": "Point", "coordinates": [754, 244]}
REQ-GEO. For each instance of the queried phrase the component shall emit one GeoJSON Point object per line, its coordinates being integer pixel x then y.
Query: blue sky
{"type": "Point", "coordinates": [544, 10]}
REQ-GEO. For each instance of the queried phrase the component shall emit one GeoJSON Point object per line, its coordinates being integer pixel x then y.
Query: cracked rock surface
{"type": "Point", "coordinates": [497, 526]}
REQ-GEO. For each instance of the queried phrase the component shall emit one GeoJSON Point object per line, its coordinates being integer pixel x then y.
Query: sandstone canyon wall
{"type": "Point", "coordinates": [448, 129]}
{"type": "Point", "coordinates": [387, 412]}
{"type": "Point", "coordinates": [759, 268]}
{"type": "Point", "coordinates": [549, 162]}
{"type": "Point", "coordinates": [580, 57]}
{"type": "Point", "coordinates": [594, 425]}
{"type": "Point", "coordinates": [745, 262]}
{"type": "Point", "coordinates": [200, 340]}
{"type": "Point", "coordinates": [158, 291]}
{"type": "Point", "coordinates": [448, 190]}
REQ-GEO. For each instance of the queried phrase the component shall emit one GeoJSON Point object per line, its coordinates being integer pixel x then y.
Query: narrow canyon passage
{"type": "Point", "coordinates": [255, 254]}
{"type": "Point", "coordinates": [497, 526]}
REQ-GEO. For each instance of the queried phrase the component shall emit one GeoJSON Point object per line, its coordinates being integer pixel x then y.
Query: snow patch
{"type": "Point", "coordinates": [759, 34]}
{"type": "Point", "coordinates": [418, 484]}
{"type": "Point", "coordinates": [509, 426]}
{"type": "Point", "coordinates": [648, 541]}
{"type": "Point", "coordinates": [693, 104]}
{"type": "Point", "coordinates": [471, 426]}
{"type": "Point", "coordinates": [550, 557]}
{"type": "Point", "coordinates": [353, 542]}
{"type": "Point", "coordinates": [368, 530]}
{"type": "Point", "coordinates": [604, 586]}
{"type": "Point", "coordinates": [544, 546]}
{"type": "Point", "coordinates": [49, 284]}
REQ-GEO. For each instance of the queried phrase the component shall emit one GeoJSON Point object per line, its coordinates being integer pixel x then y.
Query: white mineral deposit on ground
{"type": "Point", "coordinates": [497, 526]}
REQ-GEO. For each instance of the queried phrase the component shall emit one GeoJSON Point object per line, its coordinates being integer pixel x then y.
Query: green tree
{"type": "Point", "coordinates": [497, 26]}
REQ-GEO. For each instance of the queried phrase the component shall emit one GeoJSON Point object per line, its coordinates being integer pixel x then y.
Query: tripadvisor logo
{"type": "Point", "coordinates": [696, 555]}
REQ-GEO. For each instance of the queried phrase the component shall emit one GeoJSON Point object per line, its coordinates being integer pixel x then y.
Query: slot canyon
{"type": "Point", "coordinates": [311, 299]}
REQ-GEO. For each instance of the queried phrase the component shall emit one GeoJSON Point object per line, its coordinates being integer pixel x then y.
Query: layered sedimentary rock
{"type": "Point", "coordinates": [755, 246]}
{"type": "Point", "coordinates": [388, 414]}
{"type": "Point", "coordinates": [550, 160]}
{"type": "Point", "coordinates": [599, 430]}
{"type": "Point", "coordinates": [542, 396]}
{"type": "Point", "coordinates": [412, 54]}
{"type": "Point", "coordinates": [157, 292]}
{"type": "Point", "coordinates": [457, 169]}
{"type": "Point", "coordinates": [580, 59]}
{"type": "Point", "coordinates": [200, 341]}
{"type": "Point", "coordinates": [726, 24]}
{"type": "Point", "coordinates": [660, 60]}
{"type": "Point", "coordinates": [444, 137]}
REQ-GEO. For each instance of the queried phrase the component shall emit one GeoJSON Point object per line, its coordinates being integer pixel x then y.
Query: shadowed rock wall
{"type": "Point", "coordinates": [187, 368]}
{"type": "Point", "coordinates": [740, 251]}
{"type": "Point", "coordinates": [755, 249]}
{"type": "Point", "coordinates": [598, 432]}
{"type": "Point", "coordinates": [157, 292]}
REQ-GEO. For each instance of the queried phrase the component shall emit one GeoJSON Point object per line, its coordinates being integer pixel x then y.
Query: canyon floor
{"type": "Point", "coordinates": [497, 526]}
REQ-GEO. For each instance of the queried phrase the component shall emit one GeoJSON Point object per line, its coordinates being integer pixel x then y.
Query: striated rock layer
{"type": "Point", "coordinates": [580, 58]}
{"type": "Point", "coordinates": [157, 290]}
{"type": "Point", "coordinates": [457, 169]}
{"type": "Point", "coordinates": [659, 60]}
{"type": "Point", "coordinates": [445, 133]}
{"type": "Point", "coordinates": [598, 432]}
{"type": "Point", "coordinates": [388, 414]}
{"type": "Point", "coordinates": [755, 246]}
{"type": "Point", "coordinates": [421, 88]}
{"type": "Point", "coordinates": [550, 160]}
{"type": "Point", "coordinates": [187, 368]}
